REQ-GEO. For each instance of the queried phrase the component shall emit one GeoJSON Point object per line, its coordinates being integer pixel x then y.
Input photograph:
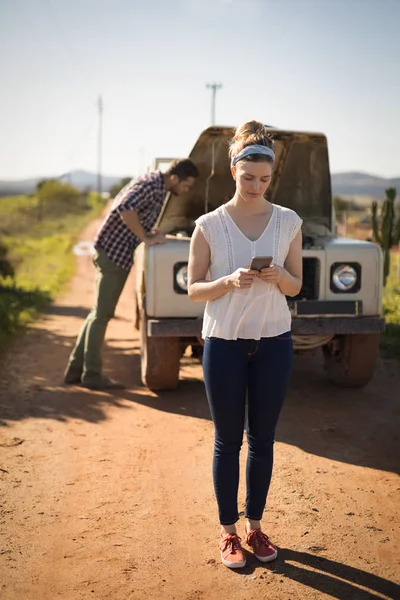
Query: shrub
{"type": "Point", "coordinates": [117, 187]}
{"type": "Point", "coordinates": [6, 268]}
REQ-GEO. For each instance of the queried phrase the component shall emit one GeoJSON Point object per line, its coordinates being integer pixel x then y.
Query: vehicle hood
{"type": "Point", "coordinates": [301, 179]}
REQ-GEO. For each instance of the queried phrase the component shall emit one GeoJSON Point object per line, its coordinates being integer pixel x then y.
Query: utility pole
{"type": "Point", "coordinates": [99, 145]}
{"type": "Point", "coordinates": [214, 87]}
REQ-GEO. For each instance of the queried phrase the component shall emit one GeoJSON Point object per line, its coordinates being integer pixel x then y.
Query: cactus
{"type": "Point", "coordinates": [386, 228]}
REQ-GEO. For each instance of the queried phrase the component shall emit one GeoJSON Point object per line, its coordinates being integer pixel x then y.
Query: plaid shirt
{"type": "Point", "coordinates": [145, 195]}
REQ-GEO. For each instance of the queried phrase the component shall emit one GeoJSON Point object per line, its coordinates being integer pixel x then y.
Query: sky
{"type": "Point", "coordinates": [331, 66]}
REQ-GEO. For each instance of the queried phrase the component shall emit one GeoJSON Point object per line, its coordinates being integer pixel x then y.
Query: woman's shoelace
{"type": "Point", "coordinates": [257, 538]}
{"type": "Point", "coordinates": [232, 540]}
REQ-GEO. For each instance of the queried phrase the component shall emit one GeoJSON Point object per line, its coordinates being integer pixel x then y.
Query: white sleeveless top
{"type": "Point", "coordinates": [259, 311]}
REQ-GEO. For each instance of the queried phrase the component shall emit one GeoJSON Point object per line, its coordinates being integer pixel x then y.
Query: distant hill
{"type": "Point", "coordinates": [343, 184]}
{"type": "Point", "coordinates": [83, 180]}
{"type": "Point", "coordinates": [362, 184]}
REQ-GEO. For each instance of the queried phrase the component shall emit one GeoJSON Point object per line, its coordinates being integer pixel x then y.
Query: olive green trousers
{"type": "Point", "coordinates": [86, 356]}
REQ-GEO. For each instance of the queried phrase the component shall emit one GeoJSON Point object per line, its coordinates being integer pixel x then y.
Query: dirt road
{"type": "Point", "coordinates": [109, 495]}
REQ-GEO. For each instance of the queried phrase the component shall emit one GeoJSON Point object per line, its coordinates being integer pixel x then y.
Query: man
{"type": "Point", "coordinates": [130, 221]}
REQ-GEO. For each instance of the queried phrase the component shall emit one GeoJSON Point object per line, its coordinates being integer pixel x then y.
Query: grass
{"type": "Point", "coordinates": [40, 251]}
{"type": "Point", "coordinates": [390, 340]}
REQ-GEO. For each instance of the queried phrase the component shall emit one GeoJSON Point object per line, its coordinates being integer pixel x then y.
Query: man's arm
{"type": "Point", "coordinates": [132, 221]}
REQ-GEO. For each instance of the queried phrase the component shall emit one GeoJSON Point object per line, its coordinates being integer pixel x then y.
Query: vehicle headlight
{"type": "Point", "coordinates": [345, 277]}
{"type": "Point", "coordinates": [181, 278]}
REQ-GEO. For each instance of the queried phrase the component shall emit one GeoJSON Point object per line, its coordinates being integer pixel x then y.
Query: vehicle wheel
{"type": "Point", "coordinates": [160, 359]}
{"type": "Point", "coordinates": [350, 360]}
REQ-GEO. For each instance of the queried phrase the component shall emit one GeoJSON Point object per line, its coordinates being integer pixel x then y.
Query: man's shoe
{"type": "Point", "coordinates": [261, 546]}
{"type": "Point", "coordinates": [232, 553]}
{"type": "Point", "coordinates": [72, 376]}
{"type": "Point", "coordinates": [101, 382]}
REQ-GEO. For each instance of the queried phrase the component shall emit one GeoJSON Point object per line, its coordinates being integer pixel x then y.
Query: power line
{"type": "Point", "coordinates": [78, 66]}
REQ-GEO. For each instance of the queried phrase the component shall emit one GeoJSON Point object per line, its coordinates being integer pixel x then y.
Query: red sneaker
{"type": "Point", "coordinates": [232, 553]}
{"type": "Point", "coordinates": [262, 547]}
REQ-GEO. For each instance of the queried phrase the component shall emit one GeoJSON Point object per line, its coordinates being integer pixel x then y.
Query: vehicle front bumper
{"type": "Point", "coordinates": [337, 325]}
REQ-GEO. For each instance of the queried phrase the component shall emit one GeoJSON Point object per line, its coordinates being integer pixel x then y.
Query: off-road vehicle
{"type": "Point", "coordinates": [339, 306]}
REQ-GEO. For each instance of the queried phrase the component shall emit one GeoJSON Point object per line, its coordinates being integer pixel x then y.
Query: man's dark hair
{"type": "Point", "coordinates": [184, 169]}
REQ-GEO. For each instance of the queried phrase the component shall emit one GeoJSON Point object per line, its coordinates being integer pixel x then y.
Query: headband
{"type": "Point", "coordinates": [254, 149]}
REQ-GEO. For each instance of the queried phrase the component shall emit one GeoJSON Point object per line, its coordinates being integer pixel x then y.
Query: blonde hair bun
{"type": "Point", "coordinates": [248, 134]}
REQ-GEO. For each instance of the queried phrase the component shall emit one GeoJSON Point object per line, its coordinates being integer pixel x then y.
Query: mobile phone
{"type": "Point", "coordinates": [260, 262]}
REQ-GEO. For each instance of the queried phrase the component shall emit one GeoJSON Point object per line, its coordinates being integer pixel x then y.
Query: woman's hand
{"type": "Point", "coordinates": [273, 274]}
{"type": "Point", "coordinates": [242, 278]}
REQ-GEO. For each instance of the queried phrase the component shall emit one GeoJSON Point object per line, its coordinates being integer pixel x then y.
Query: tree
{"type": "Point", "coordinates": [6, 268]}
{"type": "Point", "coordinates": [117, 187]}
{"type": "Point", "coordinates": [344, 204]}
{"type": "Point", "coordinates": [58, 198]}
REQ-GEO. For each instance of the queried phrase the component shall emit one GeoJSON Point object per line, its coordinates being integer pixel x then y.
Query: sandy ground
{"type": "Point", "coordinates": [109, 495]}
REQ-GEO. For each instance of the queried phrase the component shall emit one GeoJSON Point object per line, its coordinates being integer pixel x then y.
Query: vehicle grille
{"type": "Point", "coordinates": [311, 275]}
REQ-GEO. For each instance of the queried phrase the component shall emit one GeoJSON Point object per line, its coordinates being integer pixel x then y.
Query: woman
{"type": "Point", "coordinates": [248, 349]}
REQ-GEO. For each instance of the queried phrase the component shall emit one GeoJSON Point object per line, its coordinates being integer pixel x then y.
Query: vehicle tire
{"type": "Point", "coordinates": [159, 358]}
{"type": "Point", "coordinates": [350, 360]}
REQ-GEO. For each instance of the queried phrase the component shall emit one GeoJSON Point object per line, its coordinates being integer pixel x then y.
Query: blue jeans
{"type": "Point", "coordinates": [236, 370]}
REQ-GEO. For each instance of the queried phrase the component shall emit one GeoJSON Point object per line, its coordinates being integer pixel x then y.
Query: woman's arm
{"type": "Point", "coordinates": [292, 279]}
{"type": "Point", "coordinates": [289, 278]}
{"type": "Point", "coordinates": [201, 290]}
